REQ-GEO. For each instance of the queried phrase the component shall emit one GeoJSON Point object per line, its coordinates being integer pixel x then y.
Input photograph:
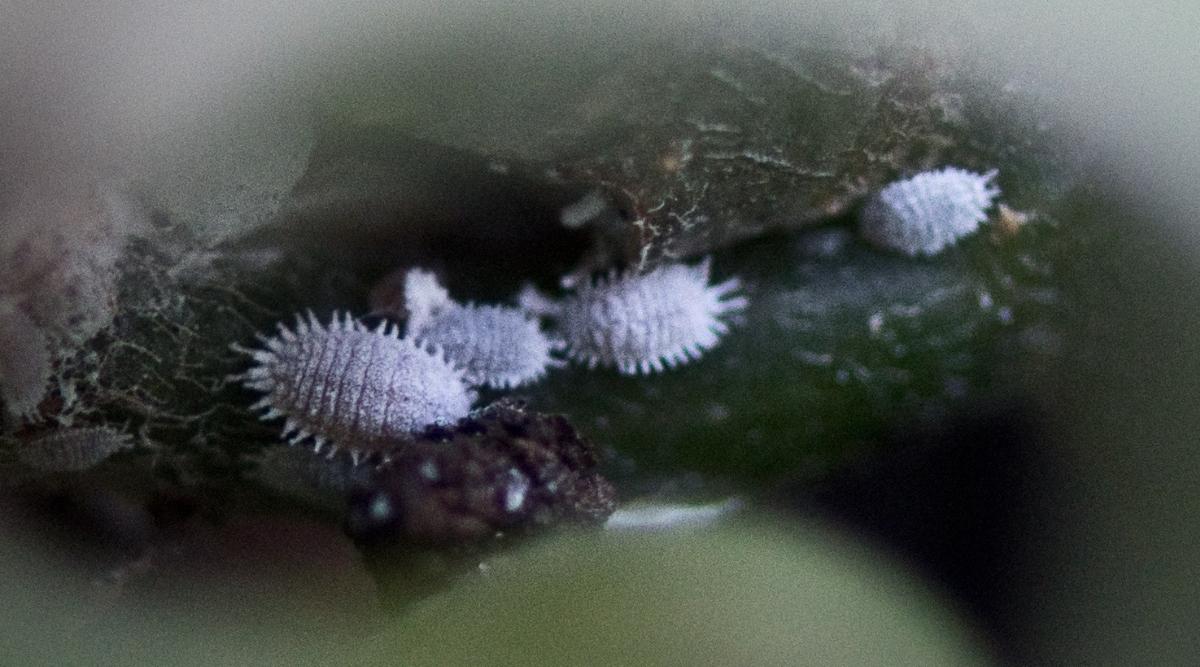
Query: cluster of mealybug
{"type": "Point", "coordinates": [445, 474]}
{"type": "Point", "coordinates": [354, 388]}
{"type": "Point", "coordinates": [924, 214]}
{"type": "Point", "coordinates": [351, 387]}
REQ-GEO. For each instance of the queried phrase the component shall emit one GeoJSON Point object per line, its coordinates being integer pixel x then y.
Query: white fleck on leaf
{"type": "Point", "coordinates": [350, 387]}
{"type": "Point", "coordinates": [496, 346]}
{"type": "Point", "coordinates": [643, 323]}
{"type": "Point", "coordinates": [924, 214]}
{"type": "Point", "coordinates": [73, 449]}
{"type": "Point", "coordinates": [515, 491]}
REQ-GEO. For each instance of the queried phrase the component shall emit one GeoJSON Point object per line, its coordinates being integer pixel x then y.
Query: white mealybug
{"type": "Point", "coordinates": [72, 449]}
{"type": "Point", "coordinates": [25, 363]}
{"type": "Point", "coordinates": [351, 387]}
{"type": "Point", "coordinates": [496, 346]}
{"type": "Point", "coordinates": [643, 323]}
{"type": "Point", "coordinates": [924, 214]}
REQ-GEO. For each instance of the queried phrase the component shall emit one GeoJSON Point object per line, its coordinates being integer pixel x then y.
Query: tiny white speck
{"type": "Point", "coordinates": [584, 210]}
{"type": "Point", "coordinates": [514, 492]}
{"type": "Point", "coordinates": [875, 324]}
{"type": "Point", "coordinates": [380, 508]}
{"type": "Point", "coordinates": [429, 470]}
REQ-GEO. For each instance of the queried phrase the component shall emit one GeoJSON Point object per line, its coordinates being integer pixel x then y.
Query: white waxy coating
{"type": "Point", "coordinates": [353, 387]}
{"type": "Point", "coordinates": [496, 346]}
{"type": "Point", "coordinates": [25, 364]}
{"type": "Point", "coordinates": [924, 214]}
{"type": "Point", "coordinates": [643, 323]}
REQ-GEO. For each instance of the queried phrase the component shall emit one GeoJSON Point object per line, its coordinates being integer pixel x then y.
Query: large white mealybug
{"type": "Point", "coordinates": [643, 323]}
{"type": "Point", "coordinates": [924, 214]}
{"type": "Point", "coordinates": [496, 346]}
{"type": "Point", "coordinates": [352, 387]}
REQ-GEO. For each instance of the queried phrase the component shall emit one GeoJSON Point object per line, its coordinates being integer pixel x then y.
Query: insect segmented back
{"type": "Point", "coordinates": [924, 214]}
{"type": "Point", "coordinates": [644, 323]}
{"type": "Point", "coordinates": [350, 387]}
